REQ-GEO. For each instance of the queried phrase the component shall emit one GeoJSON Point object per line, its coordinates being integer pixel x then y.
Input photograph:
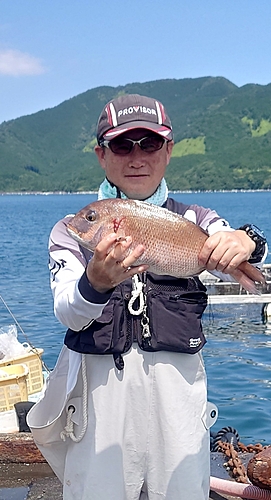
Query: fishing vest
{"type": "Point", "coordinates": [172, 316]}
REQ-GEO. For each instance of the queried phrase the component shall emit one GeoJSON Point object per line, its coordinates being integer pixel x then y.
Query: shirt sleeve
{"type": "Point", "coordinates": [76, 303]}
{"type": "Point", "coordinates": [207, 219]}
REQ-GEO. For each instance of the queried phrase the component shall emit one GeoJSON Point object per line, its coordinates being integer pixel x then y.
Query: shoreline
{"type": "Point", "coordinates": [68, 193]}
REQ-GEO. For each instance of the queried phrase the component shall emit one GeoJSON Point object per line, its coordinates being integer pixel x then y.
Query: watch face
{"type": "Point", "coordinates": [257, 231]}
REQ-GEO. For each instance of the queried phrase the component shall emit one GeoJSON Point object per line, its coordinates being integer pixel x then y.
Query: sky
{"type": "Point", "coordinates": [52, 50]}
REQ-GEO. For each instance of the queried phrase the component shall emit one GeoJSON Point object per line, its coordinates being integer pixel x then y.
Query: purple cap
{"type": "Point", "coordinates": [132, 111]}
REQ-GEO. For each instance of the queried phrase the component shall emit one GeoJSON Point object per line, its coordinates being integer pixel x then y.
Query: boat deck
{"type": "Point", "coordinates": [37, 481]}
{"type": "Point", "coordinates": [25, 473]}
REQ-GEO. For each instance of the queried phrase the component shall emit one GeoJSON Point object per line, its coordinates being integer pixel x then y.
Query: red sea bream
{"type": "Point", "coordinates": [172, 243]}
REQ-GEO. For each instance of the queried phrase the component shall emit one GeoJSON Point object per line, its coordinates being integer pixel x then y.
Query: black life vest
{"type": "Point", "coordinates": [174, 310]}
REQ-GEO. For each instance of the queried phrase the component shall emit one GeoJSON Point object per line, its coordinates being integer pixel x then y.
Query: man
{"type": "Point", "coordinates": [140, 429]}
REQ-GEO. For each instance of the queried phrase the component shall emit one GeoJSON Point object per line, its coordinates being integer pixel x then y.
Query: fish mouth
{"type": "Point", "coordinates": [79, 237]}
{"type": "Point", "coordinates": [74, 234]}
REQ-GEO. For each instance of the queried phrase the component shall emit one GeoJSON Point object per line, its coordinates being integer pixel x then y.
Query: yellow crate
{"type": "Point", "coordinates": [32, 359]}
{"type": "Point", "coordinates": [13, 386]}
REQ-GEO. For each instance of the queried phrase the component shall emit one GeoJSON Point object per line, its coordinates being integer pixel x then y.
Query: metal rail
{"type": "Point", "coordinates": [265, 298]}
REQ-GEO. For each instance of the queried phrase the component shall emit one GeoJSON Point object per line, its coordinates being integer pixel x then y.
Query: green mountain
{"type": "Point", "coordinates": [222, 138]}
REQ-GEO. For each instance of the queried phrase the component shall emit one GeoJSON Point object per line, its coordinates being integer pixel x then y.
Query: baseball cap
{"type": "Point", "coordinates": [131, 111]}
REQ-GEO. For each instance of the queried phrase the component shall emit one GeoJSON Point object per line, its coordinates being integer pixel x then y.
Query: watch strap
{"type": "Point", "coordinates": [259, 239]}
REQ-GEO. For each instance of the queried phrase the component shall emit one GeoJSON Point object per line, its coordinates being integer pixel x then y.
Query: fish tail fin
{"type": "Point", "coordinates": [247, 275]}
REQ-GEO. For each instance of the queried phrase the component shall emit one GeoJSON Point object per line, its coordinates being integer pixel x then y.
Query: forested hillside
{"type": "Point", "coordinates": [222, 138]}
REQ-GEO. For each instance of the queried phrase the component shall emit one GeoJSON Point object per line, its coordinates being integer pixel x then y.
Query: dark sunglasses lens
{"type": "Point", "coordinates": [121, 146]}
{"type": "Point", "coordinates": [152, 143]}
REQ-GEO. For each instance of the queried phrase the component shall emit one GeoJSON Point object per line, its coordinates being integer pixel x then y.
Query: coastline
{"type": "Point", "coordinates": [63, 193]}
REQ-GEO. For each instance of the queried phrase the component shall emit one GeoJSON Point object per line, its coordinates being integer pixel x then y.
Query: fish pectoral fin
{"type": "Point", "coordinates": [248, 275]}
{"type": "Point", "coordinates": [252, 272]}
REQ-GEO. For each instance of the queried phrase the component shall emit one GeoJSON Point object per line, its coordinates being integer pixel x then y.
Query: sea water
{"type": "Point", "coordinates": [237, 353]}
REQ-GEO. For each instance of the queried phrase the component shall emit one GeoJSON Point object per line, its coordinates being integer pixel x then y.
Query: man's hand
{"type": "Point", "coordinates": [225, 250]}
{"type": "Point", "coordinates": [112, 263]}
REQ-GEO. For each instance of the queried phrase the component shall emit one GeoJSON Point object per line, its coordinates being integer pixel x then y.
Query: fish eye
{"type": "Point", "coordinates": [91, 216]}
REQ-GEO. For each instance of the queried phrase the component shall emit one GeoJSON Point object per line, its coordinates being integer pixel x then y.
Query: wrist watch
{"type": "Point", "coordinates": [259, 239]}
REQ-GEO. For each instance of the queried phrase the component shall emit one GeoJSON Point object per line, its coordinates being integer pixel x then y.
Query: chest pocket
{"type": "Point", "coordinates": [105, 335]}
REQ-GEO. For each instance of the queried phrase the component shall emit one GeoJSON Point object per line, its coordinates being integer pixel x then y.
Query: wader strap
{"type": "Point", "coordinates": [69, 427]}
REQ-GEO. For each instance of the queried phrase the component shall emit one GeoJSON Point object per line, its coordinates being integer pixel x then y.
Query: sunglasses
{"type": "Point", "coordinates": [124, 146]}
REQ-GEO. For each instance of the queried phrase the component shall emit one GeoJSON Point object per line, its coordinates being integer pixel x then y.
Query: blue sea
{"type": "Point", "coordinates": [238, 350]}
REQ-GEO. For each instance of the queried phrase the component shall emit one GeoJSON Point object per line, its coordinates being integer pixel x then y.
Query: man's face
{"type": "Point", "coordinates": [138, 173]}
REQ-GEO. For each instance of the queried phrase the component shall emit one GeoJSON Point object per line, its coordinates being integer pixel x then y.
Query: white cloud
{"type": "Point", "coordinates": [16, 63]}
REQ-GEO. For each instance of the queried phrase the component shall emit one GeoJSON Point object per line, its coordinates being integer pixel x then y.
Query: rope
{"type": "Point", "coordinates": [33, 349]}
{"type": "Point", "coordinates": [69, 427]}
{"type": "Point", "coordinates": [137, 292]}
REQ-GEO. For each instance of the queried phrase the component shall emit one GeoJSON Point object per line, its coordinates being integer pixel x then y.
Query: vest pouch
{"type": "Point", "coordinates": [175, 321]}
{"type": "Point", "coordinates": [105, 335]}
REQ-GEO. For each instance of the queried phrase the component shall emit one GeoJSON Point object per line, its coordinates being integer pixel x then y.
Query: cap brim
{"type": "Point", "coordinates": [154, 127]}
